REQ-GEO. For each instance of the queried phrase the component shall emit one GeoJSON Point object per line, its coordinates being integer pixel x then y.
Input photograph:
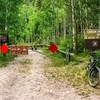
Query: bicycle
{"type": "Point", "coordinates": [94, 70]}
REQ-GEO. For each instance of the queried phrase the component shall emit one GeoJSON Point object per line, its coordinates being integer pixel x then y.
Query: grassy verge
{"type": "Point", "coordinates": [5, 59]}
{"type": "Point", "coordinates": [73, 73]}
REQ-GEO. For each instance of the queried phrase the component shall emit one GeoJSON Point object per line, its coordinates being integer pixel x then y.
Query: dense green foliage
{"type": "Point", "coordinates": [5, 59]}
{"type": "Point", "coordinates": [42, 21]}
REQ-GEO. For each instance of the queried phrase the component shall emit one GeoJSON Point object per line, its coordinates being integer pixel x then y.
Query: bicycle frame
{"type": "Point", "coordinates": [93, 71]}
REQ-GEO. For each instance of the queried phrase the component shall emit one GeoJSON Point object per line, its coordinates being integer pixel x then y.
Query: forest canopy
{"type": "Point", "coordinates": [42, 21]}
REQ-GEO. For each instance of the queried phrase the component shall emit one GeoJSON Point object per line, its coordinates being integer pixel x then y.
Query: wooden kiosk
{"type": "Point", "coordinates": [92, 39]}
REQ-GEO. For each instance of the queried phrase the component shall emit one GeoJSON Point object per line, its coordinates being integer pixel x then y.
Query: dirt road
{"type": "Point", "coordinates": [24, 79]}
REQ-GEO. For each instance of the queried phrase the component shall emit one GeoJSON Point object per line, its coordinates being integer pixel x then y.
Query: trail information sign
{"type": "Point", "coordinates": [92, 39]}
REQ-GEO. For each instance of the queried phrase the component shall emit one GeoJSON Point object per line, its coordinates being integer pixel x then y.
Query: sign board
{"type": "Point", "coordinates": [92, 34]}
{"type": "Point", "coordinates": [2, 39]}
{"type": "Point", "coordinates": [92, 39]}
{"type": "Point", "coordinates": [92, 44]}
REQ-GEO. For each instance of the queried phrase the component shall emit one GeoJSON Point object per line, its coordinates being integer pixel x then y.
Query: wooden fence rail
{"type": "Point", "coordinates": [67, 54]}
{"type": "Point", "coordinates": [23, 50]}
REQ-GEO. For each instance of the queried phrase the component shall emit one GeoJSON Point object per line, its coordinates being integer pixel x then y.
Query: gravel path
{"type": "Point", "coordinates": [27, 81]}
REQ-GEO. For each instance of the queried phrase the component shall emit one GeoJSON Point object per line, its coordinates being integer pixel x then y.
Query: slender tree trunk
{"type": "Point", "coordinates": [64, 27]}
{"type": "Point", "coordinates": [6, 25]}
{"type": "Point", "coordinates": [81, 29]}
{"type": "Point", "coordinates": [73, 25]}
{"type": "Point", "coordinates": [86, 12]}
{"type": "Point", "coordinates": [99, 21]}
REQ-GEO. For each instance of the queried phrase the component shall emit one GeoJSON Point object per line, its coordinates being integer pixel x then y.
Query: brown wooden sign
{"type": "Point", "coordinates": [92, 39]}
{"type": "Point", "coordinates": [19, 50]}
{"type": "Point", "coordinates": [92, 34]}
{"type": "Point", "coordinates": [2, 39]}
{"type": "Point", "coordinates": [92, 44]}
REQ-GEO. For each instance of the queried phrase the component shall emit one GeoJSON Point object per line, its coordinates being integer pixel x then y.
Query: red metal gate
{"type": "Point", "coordinates": [19, 50]}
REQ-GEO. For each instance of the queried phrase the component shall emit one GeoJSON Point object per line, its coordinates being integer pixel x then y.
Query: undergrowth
{"type": "Point", "coordinates": [5, 59]}
{"type": "Point", "coordinates": [74, 73]}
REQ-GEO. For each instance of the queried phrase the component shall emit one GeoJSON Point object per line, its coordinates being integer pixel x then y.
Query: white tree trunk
{"type": "Point", "coordinates": [64, 27]}
{"type": "Point", "coordinates": [99, 21]}
{"type": "Point", "coordinates": [73, 25]}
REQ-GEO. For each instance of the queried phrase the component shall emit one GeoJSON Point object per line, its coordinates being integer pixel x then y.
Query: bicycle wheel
{"type": "Point", "coordinates": [93, 77]}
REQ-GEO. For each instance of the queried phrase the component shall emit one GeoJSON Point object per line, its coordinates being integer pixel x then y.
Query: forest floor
{"type": "Point", "coordinates": [24, 79]}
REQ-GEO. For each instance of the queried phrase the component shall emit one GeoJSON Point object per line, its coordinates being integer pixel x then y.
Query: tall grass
{"type": "Point", "coordinates": [5, 59]}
